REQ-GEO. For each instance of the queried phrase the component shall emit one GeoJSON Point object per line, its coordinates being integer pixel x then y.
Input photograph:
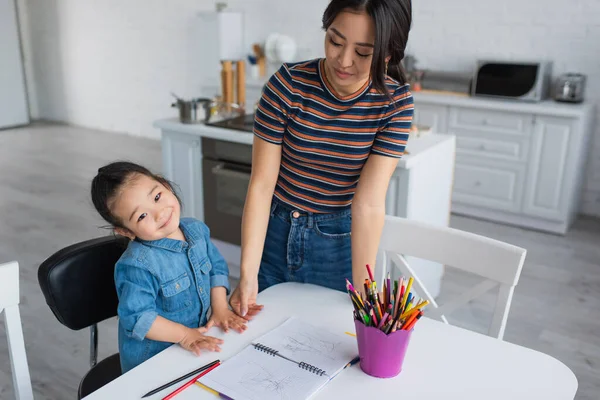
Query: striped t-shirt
{"type": "Point", "coordinates": [326, 137]}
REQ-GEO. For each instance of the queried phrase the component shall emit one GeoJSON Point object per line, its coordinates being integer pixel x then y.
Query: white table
{"type": "Point", "coordinates": [442, 361]}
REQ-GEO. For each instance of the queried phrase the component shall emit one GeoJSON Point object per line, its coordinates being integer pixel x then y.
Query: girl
{"type": "Point", "coordinates": [170, 275]}
{"type": "Point", "coordinates": [328, 136]}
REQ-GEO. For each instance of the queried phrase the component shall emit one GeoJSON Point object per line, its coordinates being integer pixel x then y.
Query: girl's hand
{"type": "Point", "coordinates": [224, 318]}
{"type": "Point", "coordinates": [194, 340]}
{"type": "Point", "coordinates": [243, 299]}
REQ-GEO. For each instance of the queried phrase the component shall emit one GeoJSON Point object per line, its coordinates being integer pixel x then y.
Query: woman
{"type": "Point", "coordinates": [328, 136]}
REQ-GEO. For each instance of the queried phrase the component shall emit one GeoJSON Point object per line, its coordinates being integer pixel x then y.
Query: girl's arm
{"type": "Point", "coordinates": [137, 289]}
{"type": "Point", "coordinates": [192, 339]}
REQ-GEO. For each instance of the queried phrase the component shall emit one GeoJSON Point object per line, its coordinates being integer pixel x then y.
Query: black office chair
{"type": "Point", "coordinates": [78, 284]}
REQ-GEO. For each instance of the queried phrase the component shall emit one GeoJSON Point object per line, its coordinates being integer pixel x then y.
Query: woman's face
{"type": "Point", "coordinates": [349, 43]}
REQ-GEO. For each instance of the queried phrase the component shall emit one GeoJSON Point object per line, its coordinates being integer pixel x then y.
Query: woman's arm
{"type": "Point", "coordinates": [368, 214]}
{"type": "Point", "coordinates": [368, 205]}
{"type": "Point", "coordinates": [265, 170]}
{"type": "Point", "coordinates": [266, 159]}
{"type": "Point", "coordinates": [270, 122]}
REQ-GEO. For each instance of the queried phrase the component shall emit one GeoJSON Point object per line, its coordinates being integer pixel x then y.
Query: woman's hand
{"type": "Point", "coordinates": [224, 318]}
{"type": "Point", "coordinates": [243, 299]}
{"type": "Point", "coordinates": [194, 340]}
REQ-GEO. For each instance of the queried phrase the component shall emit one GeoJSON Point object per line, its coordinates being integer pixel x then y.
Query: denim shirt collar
{"type": "Point", "coordinates": [192, 238]}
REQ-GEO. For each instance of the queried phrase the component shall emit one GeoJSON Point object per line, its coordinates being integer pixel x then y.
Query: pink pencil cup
{"type": "Point", "coordinates": [381, 355]}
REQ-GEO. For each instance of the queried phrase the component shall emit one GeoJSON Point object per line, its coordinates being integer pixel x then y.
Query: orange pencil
{"type": "Point", "coordinates": [414, 321]}
{"type": "Point", "coordinates": [410, 319]}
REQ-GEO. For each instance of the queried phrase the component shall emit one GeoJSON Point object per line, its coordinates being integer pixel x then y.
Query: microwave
{"type": "Point", "coordinates": [525, 81]}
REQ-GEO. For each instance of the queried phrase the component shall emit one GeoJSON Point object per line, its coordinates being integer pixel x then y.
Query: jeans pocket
{"type": "Point", "coordinates": [338, 228]}
{"type": "Point", "coordinates": [176, 294]}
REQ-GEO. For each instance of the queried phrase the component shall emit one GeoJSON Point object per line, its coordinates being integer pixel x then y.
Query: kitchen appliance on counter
{"type": "Point", "coordinates": [446, 81]}
{"type": "Point", "coordinates": [242, 123]}
{"type": "Point", "coordinates": [524, 81]}
{"type": "Point", "coordinates": [570, 88]}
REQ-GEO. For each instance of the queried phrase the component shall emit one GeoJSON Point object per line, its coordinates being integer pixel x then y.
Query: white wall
{"type": "Point", "coordinates": [110, 64]}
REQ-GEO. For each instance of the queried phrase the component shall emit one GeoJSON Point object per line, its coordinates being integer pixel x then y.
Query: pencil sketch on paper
{"type": "Point", "coordinates": [260, 380]}
{"type": "Point", "coordinates": [307, 343]}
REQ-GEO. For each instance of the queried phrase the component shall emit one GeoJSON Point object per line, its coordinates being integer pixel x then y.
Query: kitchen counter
{"type": "Point", "coordinates": [546, 107]}
{"type": "Point", "coordinates": [201, 130]}
{"type": "Point", "coordinates": [416, 149]}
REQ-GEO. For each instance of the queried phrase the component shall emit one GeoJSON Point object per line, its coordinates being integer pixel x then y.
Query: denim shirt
{"type": "Point", "coordinates": [169, 278]}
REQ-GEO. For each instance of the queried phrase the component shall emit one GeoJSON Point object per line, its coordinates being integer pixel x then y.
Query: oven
{"type": "Point", "coordinates": [226, 170]}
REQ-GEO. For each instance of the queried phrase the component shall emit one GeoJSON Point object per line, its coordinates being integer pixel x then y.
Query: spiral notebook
{"type": "Point", "coordinates": [293, 361]}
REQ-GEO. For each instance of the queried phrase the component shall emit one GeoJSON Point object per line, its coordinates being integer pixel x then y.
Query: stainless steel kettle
{"type": "Point", "coordinates": [570, 88]}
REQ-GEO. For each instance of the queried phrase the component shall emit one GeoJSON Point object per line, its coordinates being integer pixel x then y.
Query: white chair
{"type": "Point", "coordinates": [499, 262]}
{"type": "Point", "coordinates": [9, 303]}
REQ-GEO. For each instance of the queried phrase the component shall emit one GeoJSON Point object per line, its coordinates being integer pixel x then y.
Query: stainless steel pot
{"type": "Point", "coordinates": [202, 110]}
{"type": "Point", "coordinates": [194, 111]}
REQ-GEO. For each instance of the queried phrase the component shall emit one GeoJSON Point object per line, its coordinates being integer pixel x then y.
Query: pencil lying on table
{"type": "Point", "coordinates": [181, 378]}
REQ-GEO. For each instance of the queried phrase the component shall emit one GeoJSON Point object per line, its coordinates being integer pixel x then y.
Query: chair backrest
{"type": "Point", "coordinates": [9, 305]}
{"type": "Point", "coordinates": [78, 281]}
{"type": "Point", "coordinates": [500, 263]}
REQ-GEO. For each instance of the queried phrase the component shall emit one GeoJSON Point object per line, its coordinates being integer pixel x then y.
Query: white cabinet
{"type": "Point", "coordinates": [182, 164]}
{"type": "Point", "coordinates": [421, 190]}
{"type": "Point", "coordinates": [490, 184]}
{"type": "Point", "coordinates": [545, 196]}
{"type": "Point", "coordinates": [516, 163]}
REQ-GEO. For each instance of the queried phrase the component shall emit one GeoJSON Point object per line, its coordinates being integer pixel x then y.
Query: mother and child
{"type": "Point", "coordinates": [328, 136]}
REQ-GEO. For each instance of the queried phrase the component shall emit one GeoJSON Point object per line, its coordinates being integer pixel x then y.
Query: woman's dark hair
{"type": "Point", "coordinates": [109, 181]}
{"type": "Point", "coordinates": [392, 19]}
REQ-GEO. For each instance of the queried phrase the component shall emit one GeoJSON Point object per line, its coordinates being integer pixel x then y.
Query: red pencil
{"type": "Point", "coordinates": [190, 383]}
{"type": "Point", "coordinates": [370, 273]}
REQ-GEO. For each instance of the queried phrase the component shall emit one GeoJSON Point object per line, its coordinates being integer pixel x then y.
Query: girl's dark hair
{"type": "Point", "coordinates": [392, 19]}
{"type": "Point", "coordinates": [110, 180]}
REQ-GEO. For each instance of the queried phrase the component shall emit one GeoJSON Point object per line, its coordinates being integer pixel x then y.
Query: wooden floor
{"type": "Point", "coordinates": [45, 172]}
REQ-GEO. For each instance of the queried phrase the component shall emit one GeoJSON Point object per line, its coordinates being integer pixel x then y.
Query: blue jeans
{"type": "Point", "coordinates": [304, 247]}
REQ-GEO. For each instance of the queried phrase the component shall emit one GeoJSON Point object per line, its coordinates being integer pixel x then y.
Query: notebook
{"type": "Point", "coordinates": [293, 361]}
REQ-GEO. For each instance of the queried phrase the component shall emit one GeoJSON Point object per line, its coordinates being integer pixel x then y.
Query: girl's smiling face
{"type": "Point", "coordinates": [147, 209]}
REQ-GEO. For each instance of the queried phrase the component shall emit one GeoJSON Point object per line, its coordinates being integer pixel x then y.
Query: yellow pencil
{"type": "Point", "coordinates": [406, 292]}
{"type": "Point", "coordinates": [417, 307]}
{"type": "Point", "coordinates": [207, 388]}
{"type": "Point", "coordinates": [409, 306]}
